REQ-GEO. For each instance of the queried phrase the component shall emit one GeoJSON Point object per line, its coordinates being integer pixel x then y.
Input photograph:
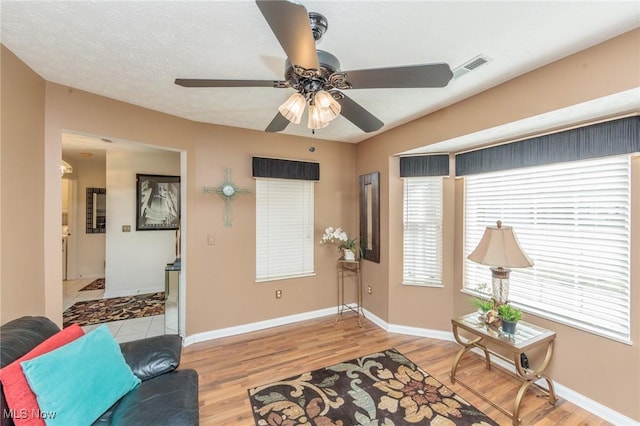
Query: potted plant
{"type": "Point", "coordinates": [483, 305]}
{"type": "Point", "coordinates": [349, 246]}
{"type": "Point", "coordinates": [510, 316]}
{"type": "Point", "coordinates": [483, 301]}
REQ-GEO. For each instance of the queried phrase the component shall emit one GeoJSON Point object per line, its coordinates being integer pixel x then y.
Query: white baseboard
{"type": "Point", "coordinates": [85, 277]}
{"type": "Point", "coordinates": [422, 332]}
{"type": "Point", "coordinates": [594, 407]}
{"type": "Point", "coordinates": [561, 391]}
{"type": "Point", "coordinates": [376, 320]}
{"type": "Point", "coordinates": [256, 326]}
{"type": "Point", "coordinates": [131, 292]}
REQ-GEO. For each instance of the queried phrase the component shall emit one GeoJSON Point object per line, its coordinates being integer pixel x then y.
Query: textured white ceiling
{"type": "Point", "coordinates": [133, 50]}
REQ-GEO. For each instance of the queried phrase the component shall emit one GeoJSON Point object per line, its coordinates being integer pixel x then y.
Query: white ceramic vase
{"type": "Point", "coordinates": [349, 255]}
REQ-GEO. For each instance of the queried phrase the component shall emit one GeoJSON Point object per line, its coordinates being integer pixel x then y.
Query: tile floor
{"type": "Point", "coordinates": [123, 331]}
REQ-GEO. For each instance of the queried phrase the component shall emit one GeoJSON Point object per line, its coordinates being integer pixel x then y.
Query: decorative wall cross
{"type": "Point", "coordinates": [227, 191]}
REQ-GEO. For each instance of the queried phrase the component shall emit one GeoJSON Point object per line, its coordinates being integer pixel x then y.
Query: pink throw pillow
{"type": "Point", "coordinates": [20, 399]}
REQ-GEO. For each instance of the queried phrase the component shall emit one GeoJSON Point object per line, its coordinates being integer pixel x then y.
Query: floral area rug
{"type": "Point", "coordinates": [382, 389]}
{"type": "Point", "coordinates": [94, 285]}
{"type": "Point", "coordinates": [114, 309]}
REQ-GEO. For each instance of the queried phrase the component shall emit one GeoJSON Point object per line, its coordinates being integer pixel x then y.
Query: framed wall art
{"type": "Point", "coordinates": [157, 202]}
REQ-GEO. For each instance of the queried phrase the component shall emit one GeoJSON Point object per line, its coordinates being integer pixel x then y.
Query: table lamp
{"type": "Point", "coordinates": [499, 249]}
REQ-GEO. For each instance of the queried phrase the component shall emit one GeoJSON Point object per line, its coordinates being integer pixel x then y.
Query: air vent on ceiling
{"type": "Point", "coordinates": [470, 65]}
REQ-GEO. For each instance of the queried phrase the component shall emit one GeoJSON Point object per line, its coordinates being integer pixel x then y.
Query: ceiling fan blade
{"type": "Point", "coordinates": [197, 82]}
{"type": "Point", "coordinates": [359, 116]}
{"type": "Point", "coordinates": [427, 75]}
{"type": "Point", "coordinates": [290, 24]}
{"type": "Point", "coordinates": [278, 124]}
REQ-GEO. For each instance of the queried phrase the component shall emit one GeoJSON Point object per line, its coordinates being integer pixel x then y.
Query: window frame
{"type": "Point", "coordinates": [274, 253]}
{"type": "Point", "coordinates": [540, 278]}
{"type": "Point", "coordinates": [430, 276]}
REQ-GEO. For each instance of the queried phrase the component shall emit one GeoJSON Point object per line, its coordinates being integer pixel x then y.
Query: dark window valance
{"type": "Point", "coordinates": [285, 169]}
{"type": "Point", "coordinates": [615, 137]}
{"type": "Point", "coordinates": [424, 165]}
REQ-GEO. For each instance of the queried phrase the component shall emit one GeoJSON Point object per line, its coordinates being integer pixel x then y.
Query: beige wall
{"type": "Point", "coordinates": [221, 288]}
{"type": "Point", "coordinates": [601, 369]}
{"type": "Point", "coordinates": [22, 189]}
{"type": "Point", "coordinates": [225, 272]}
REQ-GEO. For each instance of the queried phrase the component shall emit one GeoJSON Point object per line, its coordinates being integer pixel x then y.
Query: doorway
{"type": "Point", "coordinates": [115, 255]}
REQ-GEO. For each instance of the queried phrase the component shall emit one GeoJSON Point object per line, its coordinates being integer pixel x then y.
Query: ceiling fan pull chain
{"type": "Point", "coordinates": [312, 148]}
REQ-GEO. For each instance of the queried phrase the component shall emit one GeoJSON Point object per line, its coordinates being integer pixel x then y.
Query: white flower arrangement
{"type": "Point", "coordinates": [341, 238]}
{"type": "Point", "coordinates": [334, 235]}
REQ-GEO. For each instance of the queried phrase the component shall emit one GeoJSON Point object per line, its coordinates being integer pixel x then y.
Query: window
{"type": "Point", "coordinates": [573, 220]}
{"type": "Point", "coordinates": [422, 240]}
{"type": "Point", "coordinates": [284, 229]}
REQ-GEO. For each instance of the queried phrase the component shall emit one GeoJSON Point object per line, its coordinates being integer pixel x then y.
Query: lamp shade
{"type": "Point", "coordinates": [316, 119]}
{"type": "Point", "coordinates": [330, 108]}
{"type": "Point", "coordinates": [499, 247]}
{"type": "Point", "coordinates": [293, 108]}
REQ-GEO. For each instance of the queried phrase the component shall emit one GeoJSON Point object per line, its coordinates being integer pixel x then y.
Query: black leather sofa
{"type": "Point", "coordinates": [166, 396]}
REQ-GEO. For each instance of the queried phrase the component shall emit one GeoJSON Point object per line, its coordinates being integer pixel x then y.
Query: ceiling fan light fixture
{"type": "Point", "coordinates": [65, 168]}
{"type": "Point", "coordinates": [325, 100]}
{"type": "Point", "coordinates": [330, 108]}
{"type": "Point", "coordinates": [327, 114]}
{"type": "Point", "coordinates": [316, 118]}
{"type": "Point", "coordinates": [293, 108]}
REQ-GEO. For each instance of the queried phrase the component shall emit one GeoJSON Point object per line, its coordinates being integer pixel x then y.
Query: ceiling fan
{"type": "Point", "coordinates": [316, 76]}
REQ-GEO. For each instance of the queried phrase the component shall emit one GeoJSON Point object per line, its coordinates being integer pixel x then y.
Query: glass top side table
{"type": "Point", "coordinates": [526, 337]}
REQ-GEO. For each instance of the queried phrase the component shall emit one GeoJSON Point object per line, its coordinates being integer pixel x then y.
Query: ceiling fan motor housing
{"type": "Point", "coordinates": [311, 81]}
{"type": "Point", "coordinates": [328, 65]}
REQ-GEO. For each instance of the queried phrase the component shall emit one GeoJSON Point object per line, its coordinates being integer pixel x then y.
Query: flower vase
{"type": "Point", "coordinates": [349, 255]}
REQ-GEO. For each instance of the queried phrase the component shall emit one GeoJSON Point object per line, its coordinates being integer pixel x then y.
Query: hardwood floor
{"type": "Point", "coordinates": [229, 366]}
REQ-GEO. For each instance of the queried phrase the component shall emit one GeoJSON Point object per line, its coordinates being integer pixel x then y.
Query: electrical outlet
{"type": "Point", "coordinates": [278, 294]}
{"type": "Point", "coordinates": [369, 289]}
{"type": "Point", "coordinates": [211, 240]}
{"type": "Point", "coordinates": [126, 228]}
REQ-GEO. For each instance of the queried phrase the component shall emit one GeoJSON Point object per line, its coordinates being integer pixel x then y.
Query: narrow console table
{"type": "Point", "coordinates": [352, 268]}
{"type": "Point", "coordinates": [526, 337]}
{"type": "Point", "coordinates": [170, 267]}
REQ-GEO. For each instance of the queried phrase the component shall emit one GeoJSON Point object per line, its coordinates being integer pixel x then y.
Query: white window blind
{"type": "Point", "coordinates": [573, 220]}
{"type": "Point", "coordinates": [284, 229]}
{"type": "Point", "coordinates": [422, 238]}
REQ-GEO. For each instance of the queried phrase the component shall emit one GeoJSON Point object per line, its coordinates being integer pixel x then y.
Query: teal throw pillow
{"type": "Point", "coordinates": [79, 381]}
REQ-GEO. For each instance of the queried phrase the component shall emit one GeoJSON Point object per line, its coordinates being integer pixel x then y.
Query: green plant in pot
{"type": "Point", "coordinates": [483, 301]}
{"type": "Point", "coordinates": [483, 305]}
{"type": "Point", "coordinates": [510, 316]}
{"type": "Point", "coordinates": [353, 245]}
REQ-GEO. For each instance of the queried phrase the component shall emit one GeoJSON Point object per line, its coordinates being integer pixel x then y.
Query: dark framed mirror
{"type": "Point", "coordinates": [96, 218]}
{"type": "Point", "coordinates": [370, 216]}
